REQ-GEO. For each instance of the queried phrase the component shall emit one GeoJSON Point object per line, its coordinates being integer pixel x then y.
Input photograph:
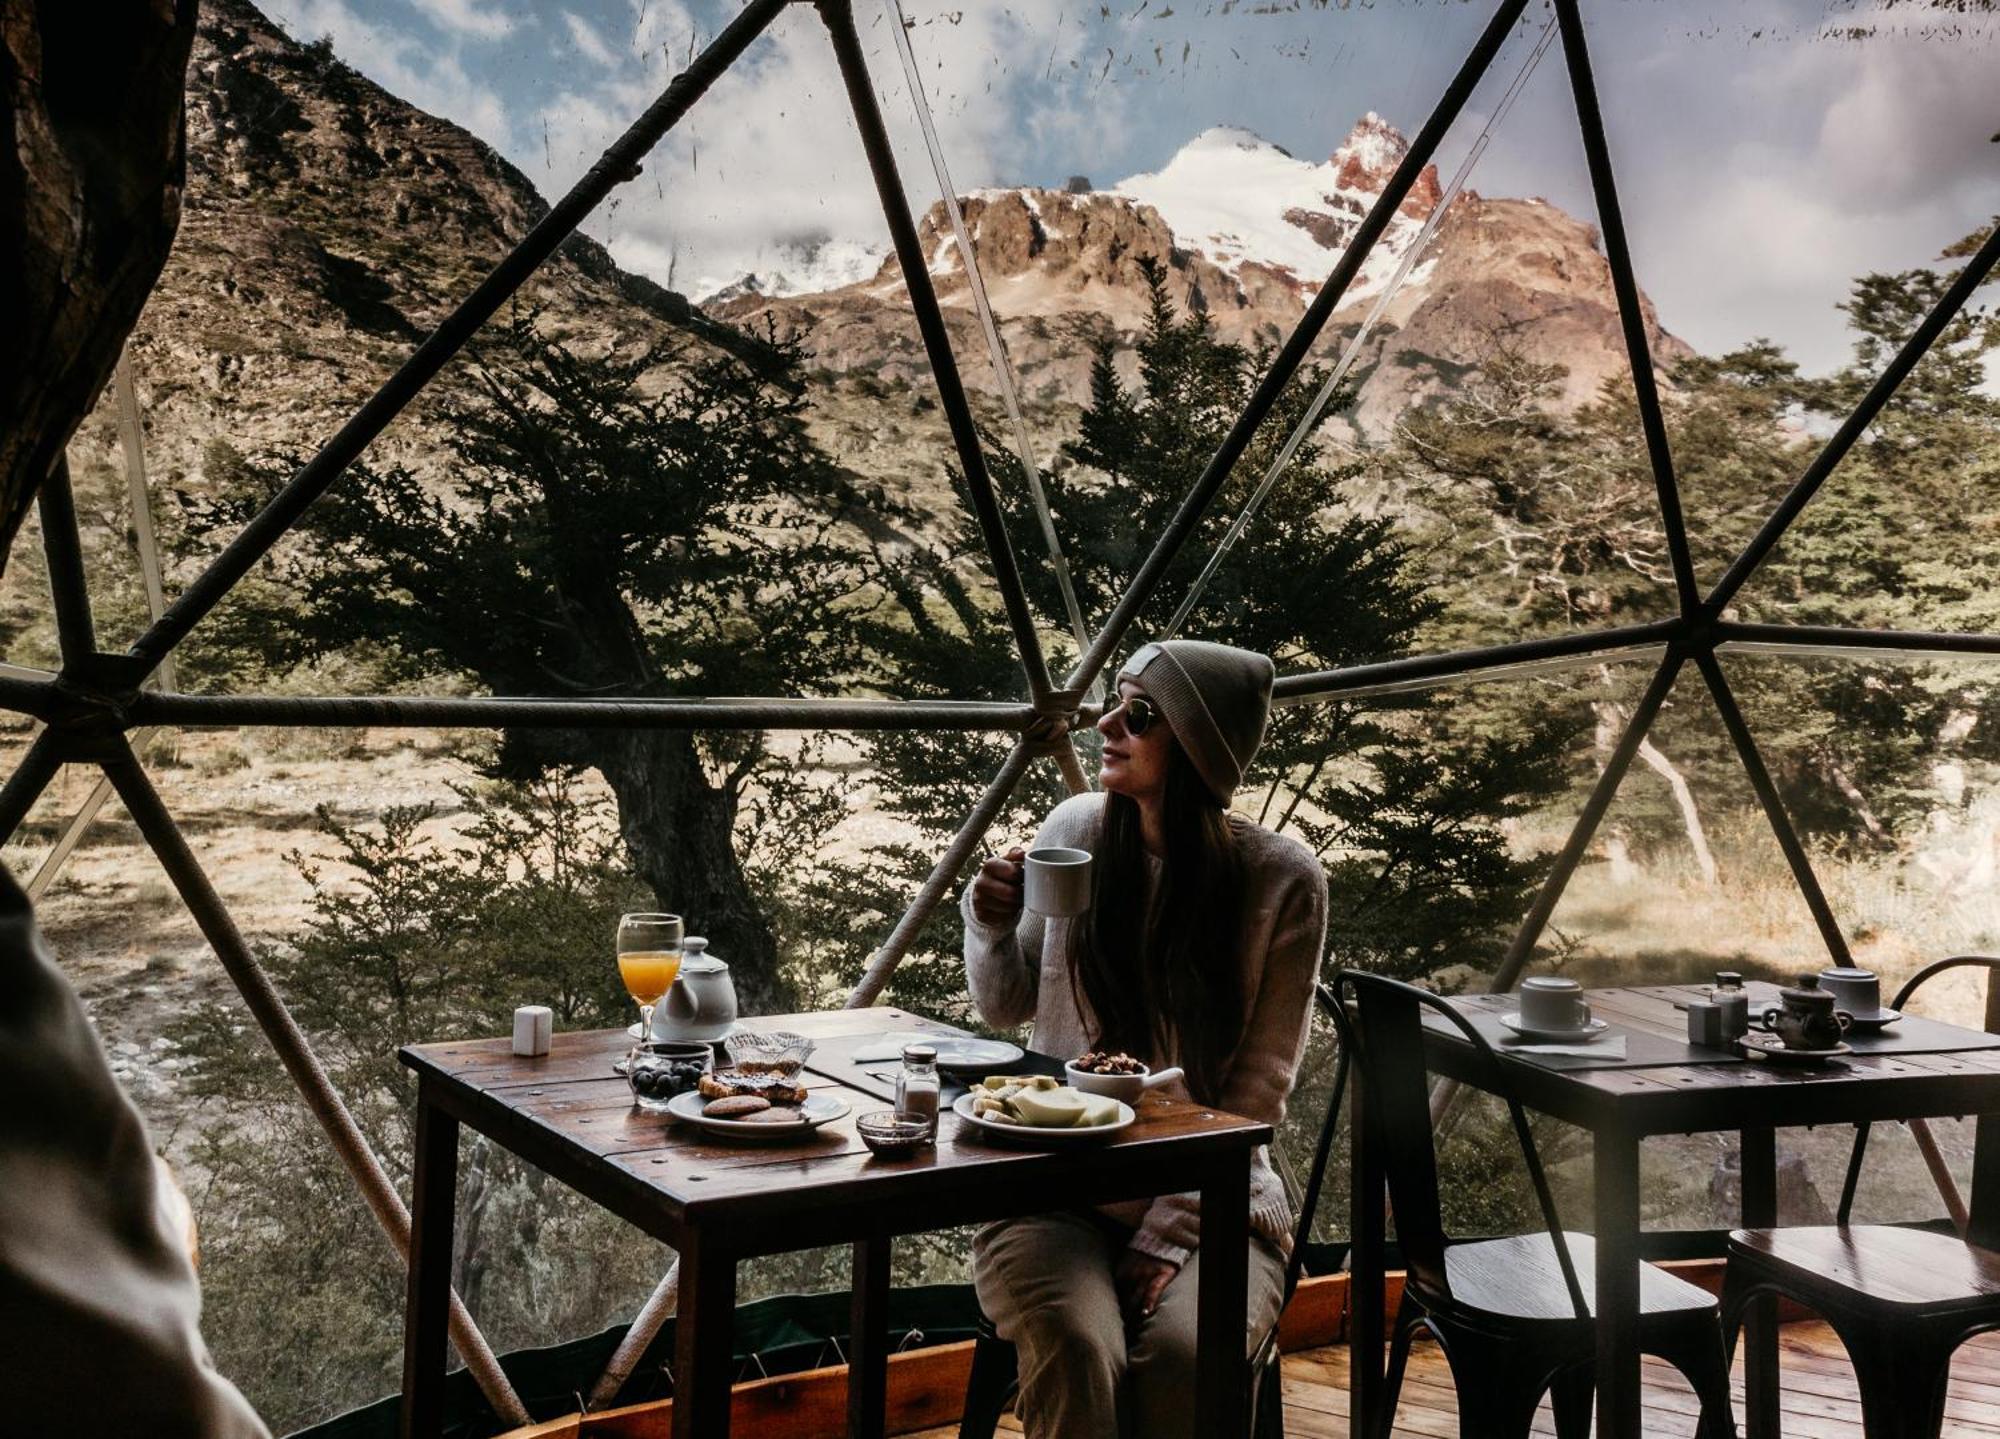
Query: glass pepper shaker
{"type": "Point", "coordinates": [1733, 1000]}
{"type": "Point", "coordinates": [918, 1087]}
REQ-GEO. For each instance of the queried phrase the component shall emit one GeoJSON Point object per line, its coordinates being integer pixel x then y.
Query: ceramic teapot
{"type": "Point", "coordinates": [702, 1003]}
{"type": "Point", "coordinates": [1805, 1017]}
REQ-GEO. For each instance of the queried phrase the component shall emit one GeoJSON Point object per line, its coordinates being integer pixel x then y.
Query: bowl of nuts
{"type": "Point", "coordinates": [1118, 1075]}
{"type": "Point", "coordinates": [662, 1068]}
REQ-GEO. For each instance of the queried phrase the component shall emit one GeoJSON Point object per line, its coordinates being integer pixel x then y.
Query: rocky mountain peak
{"type": "Point", "coordinates": [1370, 154]}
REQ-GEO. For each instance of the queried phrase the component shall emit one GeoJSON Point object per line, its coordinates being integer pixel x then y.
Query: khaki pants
{"type": "Point", "coordinates": [1046, 1284]}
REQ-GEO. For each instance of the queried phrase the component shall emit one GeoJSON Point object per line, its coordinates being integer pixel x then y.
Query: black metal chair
{"type": "Point", "coordinates": [1512, 1315]}
{"type": "Point", "coordinates": [995, 1372]}
{"type": "Point", "coordinates": [1901, 1299]}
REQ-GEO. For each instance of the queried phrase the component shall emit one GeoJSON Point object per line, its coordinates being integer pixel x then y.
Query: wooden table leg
{"type": "Point", "coordinates": [704, 1325]}
{"type": "Point", "coordinates": [1368, 1232]}
{"type": "Point", "coordinates": [1222, 1361]}
{"type": "Point", "coordinates": [1758, 1171]}
{"type": "Point", "coordinates": [1615, 1160]}
{"type": "Point", "coordinates": [868, 1340]}
{"type": "Point", "coordinates": [427, 1301]}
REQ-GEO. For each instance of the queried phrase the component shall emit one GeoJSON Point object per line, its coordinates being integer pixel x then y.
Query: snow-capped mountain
{"type": "Point", "coordinates": [1237, 199]}
{"type": "Point", "coordinates": [1247, 233]}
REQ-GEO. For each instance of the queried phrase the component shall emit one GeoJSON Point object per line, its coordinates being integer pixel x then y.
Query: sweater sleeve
{"type": "Point", "coordinates": [1266, 1064]}
{"type": "Point", "coordinates": [1003, 964]}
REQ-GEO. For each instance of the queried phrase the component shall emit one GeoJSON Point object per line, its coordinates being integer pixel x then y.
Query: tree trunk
{"type": "Point", "coordinates": [91, 173]}
{"type": "Point", "coordinates": [680, 831]}
{"type": "Point", "coordinates": [1684, 798]}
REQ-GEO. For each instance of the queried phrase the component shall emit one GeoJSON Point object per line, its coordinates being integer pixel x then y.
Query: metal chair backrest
{"type": "Point", "coordinates": [1982, 1225]}
{"type": "Point", "coordinates": [1384, 1036]}
{"type": "Point", "coordinates": [1323, 1150]}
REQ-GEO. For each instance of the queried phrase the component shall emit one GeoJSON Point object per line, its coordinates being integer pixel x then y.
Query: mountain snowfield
{"type": "Point", "coordinates": [1228, 194]}
{"type": "Point", "coordinates": [1239, 200]}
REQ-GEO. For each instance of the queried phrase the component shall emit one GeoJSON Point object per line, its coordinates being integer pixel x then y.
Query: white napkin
{"type": "Point", "coordinates": [890, 1046]}
{"type": "Point", "coordinates": [1612, 1048]}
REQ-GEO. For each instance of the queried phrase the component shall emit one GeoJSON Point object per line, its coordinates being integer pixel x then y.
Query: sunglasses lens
{"type": "Point", "coordinates": [1138, 716]}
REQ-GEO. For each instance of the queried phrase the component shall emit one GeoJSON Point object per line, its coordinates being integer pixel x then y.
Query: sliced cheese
{"type": "Point", "coordinates": [1061, 1108]}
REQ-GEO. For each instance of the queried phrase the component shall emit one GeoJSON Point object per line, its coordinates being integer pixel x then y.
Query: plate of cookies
{"type": "Point", "coordinates": [768, 1108]}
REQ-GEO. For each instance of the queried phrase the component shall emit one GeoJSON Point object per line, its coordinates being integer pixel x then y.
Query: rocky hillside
{"type": "Point", "coordinates": [1248, 232]}
{"type": "Point", "coordinates": [328, 226]}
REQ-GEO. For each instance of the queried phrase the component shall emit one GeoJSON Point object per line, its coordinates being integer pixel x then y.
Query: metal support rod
{"type": "Point", "coordinates": [62, 544]}
{"type": "Point", "coordinates": [390, 711]}
{"type": "Point", "coordinates": [652, 1316]}
{"type": "Point", "coordinates": [1855, 425]}
{"type": "Point", "coordinates": [1418, 670]}
{"type": "Point", "coordinates": [619, 163]}
{"type": "Point", "coordinates": [295, 1052]}
{"type": "Point", "coordinates": [1941, 1176]}
{"type": "Point", "coordinates": [1153, 569]}
{"type": "Point", "coordinates": [1903, 646]}
{"type": "Point", "coordinates": [1071, 764]}
{"type": "Point", "coordinates": [28, 696]}
{"type": "Point", "coordinates": [1586, 823]}
{"type": "Point", "coordinates": [1618, 256]}
{"type": "Point", "coordinates": [883, 962]}
{"type": "Point", "coordinates": [79, 825]}
{"type": "Point", "coordinates": [25, 785]}
{"type": "Point", "coordinates": [132, 435]}
{"type": "Point", "coordinates": [1774, 808]}
{"type": "Point", "coordinates": [839, 18]}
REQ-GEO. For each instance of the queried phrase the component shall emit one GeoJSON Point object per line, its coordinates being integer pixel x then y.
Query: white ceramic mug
{"type": "Point", "coordinates": [1550, 1002]}
{"type": "Point", "coordinates": [1858, 991]}
{"type": "Point", "coordinates": [1058, 882]}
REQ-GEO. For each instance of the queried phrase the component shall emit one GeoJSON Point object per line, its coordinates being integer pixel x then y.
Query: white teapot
{"type": "Point", "coordinates": [702, 1003]}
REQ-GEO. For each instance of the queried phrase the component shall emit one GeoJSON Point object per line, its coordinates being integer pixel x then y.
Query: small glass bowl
{"type": "Point", "coordinates": [893, 1134]}
{"type": "Point", "coordinates": [660, 1069]}
{"type": "Point", "coordinates": [775, 1053]}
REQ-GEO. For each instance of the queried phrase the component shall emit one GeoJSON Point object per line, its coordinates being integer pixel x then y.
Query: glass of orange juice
{"type": "Point", "coordinates": [649, 961]}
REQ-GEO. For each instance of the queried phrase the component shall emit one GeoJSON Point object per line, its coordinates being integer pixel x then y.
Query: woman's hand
{"type": "Point", "coordinates": [1141, 1280]}
{"type": "Point", "coordinates": [996, 889]}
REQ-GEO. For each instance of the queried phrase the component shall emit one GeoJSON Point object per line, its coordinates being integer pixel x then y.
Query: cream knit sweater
{"type": "Point", "coordinates": [1023, 973]}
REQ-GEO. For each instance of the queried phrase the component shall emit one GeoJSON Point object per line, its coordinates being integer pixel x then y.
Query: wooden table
{"type": "Point", "coordinates": [1915, 1069]}
{"type": "Point", "coordinates": [717, 1202]}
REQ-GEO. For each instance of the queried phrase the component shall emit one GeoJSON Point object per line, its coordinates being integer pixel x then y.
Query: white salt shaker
{"type": "Point", "coordinates": [534, 1027]}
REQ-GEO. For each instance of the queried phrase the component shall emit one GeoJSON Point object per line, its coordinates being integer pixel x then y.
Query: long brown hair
{"type": "Point", "coordinates": [1162, 975]}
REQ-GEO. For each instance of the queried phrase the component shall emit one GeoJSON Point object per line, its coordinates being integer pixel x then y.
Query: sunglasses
{"type": "Point", "coordinates": [1138, 714]}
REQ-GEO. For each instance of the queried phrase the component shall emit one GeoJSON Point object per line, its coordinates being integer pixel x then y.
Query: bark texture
{"type": "Point", "coordinates": [90, 195]}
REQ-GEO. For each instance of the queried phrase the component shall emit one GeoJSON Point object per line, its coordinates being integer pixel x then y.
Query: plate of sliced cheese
{"type": "Point", "coordinates": [1035, 1109]}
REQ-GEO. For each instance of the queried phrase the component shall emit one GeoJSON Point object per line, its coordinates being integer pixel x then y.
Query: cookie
{"type": "Point", "coordinates": [775, 1115]}
{"type": "Point", "coordinates": [740, 1106]}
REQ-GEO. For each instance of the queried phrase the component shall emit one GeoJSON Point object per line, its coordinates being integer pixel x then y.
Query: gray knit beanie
{"type": "Point", "coordinates": [1215, 698]}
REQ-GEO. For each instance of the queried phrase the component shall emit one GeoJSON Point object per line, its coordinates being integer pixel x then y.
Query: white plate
{"type": "Point", "coordinates": [1030, 1135]}
{"type": "Point", "coordinates": [817, 1110]}
{"type": "Point", "coordinates": [1555, 1036]}
{"type": "Point", "coordinates": [965, 1052]}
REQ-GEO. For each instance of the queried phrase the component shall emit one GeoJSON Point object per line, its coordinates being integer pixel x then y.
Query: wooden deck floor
{"type": "Point", "coordinates": [1820, 1400]}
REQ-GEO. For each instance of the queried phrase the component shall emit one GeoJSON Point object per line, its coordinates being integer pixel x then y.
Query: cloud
{"type": "Point", "coordinates": [589, 43]}
{"type": "Point", "coordinates": [428, 77]}
{"type": "Point", "coordinates": [468, 17]}
{"type": "Point", "coordinates": [769, 159]}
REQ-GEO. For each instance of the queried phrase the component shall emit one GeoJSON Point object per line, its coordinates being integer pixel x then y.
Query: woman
{"type": "Point", "coordinates": [1200, 949]}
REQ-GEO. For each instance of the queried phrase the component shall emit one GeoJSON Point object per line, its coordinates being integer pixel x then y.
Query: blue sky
{"type": "Point", "coordinates": [1761, 163]}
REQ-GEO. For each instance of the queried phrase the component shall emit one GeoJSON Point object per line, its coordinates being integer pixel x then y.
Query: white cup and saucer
{"type": "Point", "coordinates": [1553, 1008]}
{"type": "Point", "coordinates": [1859, 993]}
